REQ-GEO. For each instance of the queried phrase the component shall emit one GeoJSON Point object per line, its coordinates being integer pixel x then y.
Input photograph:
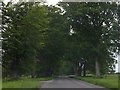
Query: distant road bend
{"type": "Point", "coordinates": [65, 82]}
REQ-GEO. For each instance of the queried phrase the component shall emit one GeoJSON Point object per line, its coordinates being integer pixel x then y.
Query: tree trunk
{"type": "Point", "coordinates": [33, 75]}
{"type": "Point", "coordinates": [97, 68]}
{"type": "Point", "coordinates": [84, 70]}
{"type": "Point", "coordinates": [14, 75]}
{"type": "Point", "coordinates": [79, 69]}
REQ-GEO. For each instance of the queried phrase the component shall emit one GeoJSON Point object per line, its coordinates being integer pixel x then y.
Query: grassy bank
{"type": "Point", "coordinates": [24, 82]}
{"type": "Point", "coordinates": [109, 81]}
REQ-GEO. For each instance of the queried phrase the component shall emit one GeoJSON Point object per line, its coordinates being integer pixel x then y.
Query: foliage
{"type": "Point", "coordinates": [38, 38]}
{"type": "Point", "coordinates": [96, 43]}
{"type": "Point", "coordinates": [23, 29]}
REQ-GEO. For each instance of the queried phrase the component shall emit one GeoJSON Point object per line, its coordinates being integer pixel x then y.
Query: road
{"type": "Point", "coordinates": [65, 82]}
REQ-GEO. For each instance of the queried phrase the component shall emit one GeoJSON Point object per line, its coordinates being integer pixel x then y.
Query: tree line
{"type": "Point", "coordinates": [38, 39]}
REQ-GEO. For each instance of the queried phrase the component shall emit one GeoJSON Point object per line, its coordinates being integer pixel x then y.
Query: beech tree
{"type": "Point", "coordinates": [93, 27]}
{"type": "Point", "coordinates": [23, 29]}
{"type": "Point", "coordinates": [77, 37]}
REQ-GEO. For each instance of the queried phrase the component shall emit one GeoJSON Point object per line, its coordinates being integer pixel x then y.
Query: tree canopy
{"type": "Point", "coordinates": [41, 40]}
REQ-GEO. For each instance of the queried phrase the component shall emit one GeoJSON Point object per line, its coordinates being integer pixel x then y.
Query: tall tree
{"type": "Point", "coordinates": [97, 42]}
{"type": "Point", "coordinates": [54, 42]}
{"type": "Point", "coordinates": [23, 29]}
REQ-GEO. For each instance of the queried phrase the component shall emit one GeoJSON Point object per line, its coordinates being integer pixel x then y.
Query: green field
{"type": "Point", "coordinates": [108, 81]}
{"type": "Point", "coordinates": [25, 82]}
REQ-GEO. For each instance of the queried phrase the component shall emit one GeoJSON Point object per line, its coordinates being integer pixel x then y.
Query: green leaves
{"type": "Point", "coordinates": [37, 38]}
{"type": "Point", "coordinates": [23, 37]}
{"type": "Point", "coordinates": [93, 24]}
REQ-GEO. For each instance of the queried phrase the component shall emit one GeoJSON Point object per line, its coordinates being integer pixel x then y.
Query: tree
{"type": "Point", "coordinates": [38, 38]}
{"type": "Point", "coordinates": [54, 43]}
{"type": "Point", "coordinates": [24, 25]}
{"type": "Point", "coordinates": [100, 18]}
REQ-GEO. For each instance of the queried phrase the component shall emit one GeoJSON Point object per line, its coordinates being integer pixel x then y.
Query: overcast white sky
{"type": "Point", "coordinates": [53, 2]}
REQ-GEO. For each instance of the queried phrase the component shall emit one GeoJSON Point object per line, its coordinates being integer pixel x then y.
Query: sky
{"type": "Point", "coordinates": [53, 2]}
{"type": "Point", "coordinates": [50, 2]}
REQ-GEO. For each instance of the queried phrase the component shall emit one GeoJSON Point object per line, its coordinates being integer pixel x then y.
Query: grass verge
{"type": "Point", "coordinates": [25, 82]}
{"type": "Point", "coordinates": [109, 81]}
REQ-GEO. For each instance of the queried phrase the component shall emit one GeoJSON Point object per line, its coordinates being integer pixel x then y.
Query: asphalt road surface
{"type": "Point", "coordinates": [65, 82]}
